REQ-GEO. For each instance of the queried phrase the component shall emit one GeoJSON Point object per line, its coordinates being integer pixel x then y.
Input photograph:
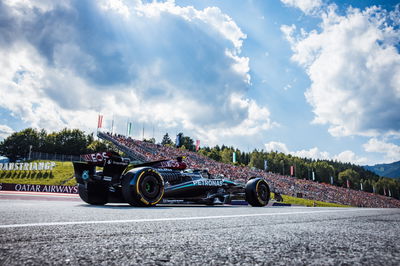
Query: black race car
{"type": "Point", "coordinates": [150, 183]}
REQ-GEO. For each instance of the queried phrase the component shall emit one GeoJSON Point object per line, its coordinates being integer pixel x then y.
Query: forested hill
{"type": "Point", "coordinates": [388, 170]}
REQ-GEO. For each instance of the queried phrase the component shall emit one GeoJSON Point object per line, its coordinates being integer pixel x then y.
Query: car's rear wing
{"type": "Point", "coordinates": [112, 167]}
{"type": "Point", "coordinates": [110, 172]}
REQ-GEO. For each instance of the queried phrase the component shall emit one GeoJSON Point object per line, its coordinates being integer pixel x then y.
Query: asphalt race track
{"type": "Point", "coordinates": [37, 230]}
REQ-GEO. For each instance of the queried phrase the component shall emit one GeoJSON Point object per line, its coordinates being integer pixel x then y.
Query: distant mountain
{"type": "Point", "coordinates": [388, 170]}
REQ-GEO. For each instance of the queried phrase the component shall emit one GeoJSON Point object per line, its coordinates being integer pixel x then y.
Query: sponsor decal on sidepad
{"type": "Point", "coordinates": [208, 182]}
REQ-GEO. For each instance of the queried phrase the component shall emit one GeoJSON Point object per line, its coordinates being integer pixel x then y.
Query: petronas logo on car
{"type": "Point", "coordinates": [210, 182]}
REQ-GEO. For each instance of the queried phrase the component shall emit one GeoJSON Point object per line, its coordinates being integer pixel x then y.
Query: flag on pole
{"type": "Point", "coordinates": [292, 170]}
{"type": "Point", "coordinates": [100, 121]}
{"type": "Point", "coordinates": [178, 140]}
{"type": "Point", "coordinates": [112, 125]}
{"type": "Point", "coordinates": [197, 145]}
{"type": "Point", "coordinates": [234, 157]}
{"type": "Point", "coordinates": [313, 176]}
{"type": "Point", "coordinates": [129, 128]}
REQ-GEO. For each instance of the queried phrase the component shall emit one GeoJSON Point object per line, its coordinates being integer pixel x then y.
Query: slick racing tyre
{"type": "Point", "coordinates": [257, 192]}
{"type": "Point", "coordinates": [92, 193]}
{"type": "Point", "coordinates": [143, 187]}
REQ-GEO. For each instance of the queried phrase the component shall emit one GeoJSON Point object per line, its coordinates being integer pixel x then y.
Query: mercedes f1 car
{"type": "Point", "coordinates": [150, 183]}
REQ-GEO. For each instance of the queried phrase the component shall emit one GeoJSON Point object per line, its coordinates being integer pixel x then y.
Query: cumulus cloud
{"type": "Point", "coordinates": [315, 153]}
{"type": "Point", "coordinates": [307, 6]}
{"type": "Point", "coordinates": [276, 146]}
{"type": "Point", "coordinates": [350, 157]}
{"type": "Point", "coordinates": [257, 120]}
{"type": "Point", "coordinates": [391, 151]}
{"type": "Point", "coordinates": [5, 131]}
{"type": "Point", "coordinates": [353, 63]}
{"type": "Point", "coordinates": [63, 63]}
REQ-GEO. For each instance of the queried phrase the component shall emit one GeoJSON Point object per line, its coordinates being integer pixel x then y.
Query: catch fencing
{"type": "Point", "coordinates": [54, 157]}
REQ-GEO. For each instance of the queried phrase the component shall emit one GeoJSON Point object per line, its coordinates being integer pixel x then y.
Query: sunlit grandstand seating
{"type": "Point", "coordinates": [136, 156]}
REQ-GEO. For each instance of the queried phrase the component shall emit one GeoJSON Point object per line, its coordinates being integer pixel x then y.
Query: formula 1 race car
{"type": "Point", "coordinates": [150, 183]}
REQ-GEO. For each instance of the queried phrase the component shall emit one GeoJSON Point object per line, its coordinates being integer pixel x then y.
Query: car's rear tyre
{"type": "Point", "coordinates": [143, 187]}
{"type": "Point", "coordinates": [257, 192]}
{"type": "Point", "coordinates": [92, 193]}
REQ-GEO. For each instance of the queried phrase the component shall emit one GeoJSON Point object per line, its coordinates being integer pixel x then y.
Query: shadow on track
{"type": "Point", "coordinates": [161, 206]}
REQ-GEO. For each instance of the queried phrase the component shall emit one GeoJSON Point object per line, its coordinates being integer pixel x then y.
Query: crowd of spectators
{"type": "Point", "coordinates": [285, 185]}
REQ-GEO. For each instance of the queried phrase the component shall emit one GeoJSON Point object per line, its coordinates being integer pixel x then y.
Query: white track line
{"type": "Point", "coordinates": [174, 218]}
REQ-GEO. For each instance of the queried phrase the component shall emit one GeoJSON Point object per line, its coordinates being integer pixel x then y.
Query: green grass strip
{"type": "Point", "coordinates": [61, 172]}
{"type": "Point", "coordinates": [309, 203]}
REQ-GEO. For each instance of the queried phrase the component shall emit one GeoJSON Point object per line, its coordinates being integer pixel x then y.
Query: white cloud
{"type": "Point", "coordinates": [212, 16]}
{"type": "Point", "coordinates": [315, 153]}
{"type": "Point", "coordinates": [155, 63]}
{"type": "Point", "coordinates": [307, 6]}
{"type": "Point", "coordinates": [27, 7]}
{"type": "Point", "coordinates": [40, 96]}
{"type": "Point", "coordinates": [390, 150]}
{"type": "Point", "coordinates": [257, 120]}
{"type": "Point", "coordinates": [276, 146]}
{"type": "Point", "coordinates": [287, 87]}
{"type": "Point", "coordinates": [118, 6]}
{"type": "Point", "coordinates": [5, 131]}
{"type": "Point", "coordinates": [354, 67]}
{"type": "Point", "coordinates": [350, 157]}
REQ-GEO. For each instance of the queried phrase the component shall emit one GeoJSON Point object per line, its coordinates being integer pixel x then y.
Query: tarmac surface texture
{"type": "Point", "coordinates": [39, 231]}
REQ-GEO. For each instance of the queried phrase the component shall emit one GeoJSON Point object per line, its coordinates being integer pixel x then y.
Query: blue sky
{"type": "Point", "coordinates": [314, 78]}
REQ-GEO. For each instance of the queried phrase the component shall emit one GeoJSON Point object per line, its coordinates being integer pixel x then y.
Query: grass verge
{"type": "Point", "coordinates": [309, 203]}
{"type": "Point", "coordinates": [58, 176]}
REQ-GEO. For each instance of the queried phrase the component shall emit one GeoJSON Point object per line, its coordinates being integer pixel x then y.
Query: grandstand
{"type": "Point", "coordinates": [287, 185]}
{"type": "Point", "coordinates": [132, 153]}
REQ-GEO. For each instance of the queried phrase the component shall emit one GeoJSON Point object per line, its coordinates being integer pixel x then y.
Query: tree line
{"type": "Point", "coordinates": [67, 141]}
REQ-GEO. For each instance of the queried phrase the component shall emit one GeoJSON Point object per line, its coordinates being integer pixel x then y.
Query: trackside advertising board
{"type": "Point", "coordinates": [39, 188]}
{"type": "Point", "coordinates": [41, 166]}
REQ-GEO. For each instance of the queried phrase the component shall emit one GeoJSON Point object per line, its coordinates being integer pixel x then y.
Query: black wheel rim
{"type": "Point", "coordinates": [263, 192]}
{"type": "Point", "coordinates": [150, 187]}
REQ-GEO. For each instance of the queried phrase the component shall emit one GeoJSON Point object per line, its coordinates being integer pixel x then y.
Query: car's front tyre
{"type": "Point", "coordinates": [257, 192]}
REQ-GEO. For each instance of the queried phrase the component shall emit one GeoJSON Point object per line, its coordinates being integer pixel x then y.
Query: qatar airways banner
{"type": "Point", "coordinates": [39, 188]}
